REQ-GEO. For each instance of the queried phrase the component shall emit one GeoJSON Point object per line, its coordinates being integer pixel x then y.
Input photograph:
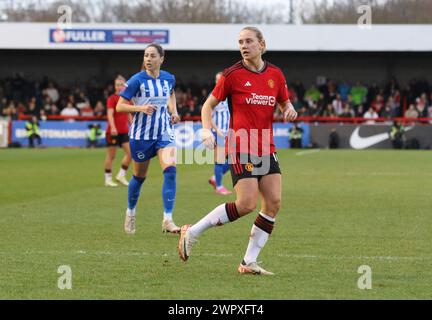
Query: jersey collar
{"type": "Point", "coordinates": [256, 72]}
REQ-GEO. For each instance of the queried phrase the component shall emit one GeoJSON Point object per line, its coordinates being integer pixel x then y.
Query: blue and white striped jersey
{"type": "Point", "coordinates": [221, 116]}
{"type": "Point", "coordinates": [143, 89]}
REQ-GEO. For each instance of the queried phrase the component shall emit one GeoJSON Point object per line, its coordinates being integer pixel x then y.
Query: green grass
{"type": "Point", "coordinates": [340, 210]}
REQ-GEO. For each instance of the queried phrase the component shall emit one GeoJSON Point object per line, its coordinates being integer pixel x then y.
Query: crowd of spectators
{"type": "Point", "coordinates": [46, 97]}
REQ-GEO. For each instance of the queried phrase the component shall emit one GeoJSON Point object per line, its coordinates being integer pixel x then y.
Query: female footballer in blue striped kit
{"type": "Point", "coordinates": [150, 95]}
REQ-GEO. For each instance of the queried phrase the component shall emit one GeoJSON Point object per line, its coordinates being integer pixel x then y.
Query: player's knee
{"type": "Point", "coordinates": [246, 206]}
{"type": "Point", "coordinates": [273, 205]}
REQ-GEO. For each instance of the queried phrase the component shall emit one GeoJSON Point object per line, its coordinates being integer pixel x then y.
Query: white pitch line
{"type": "Point", "coordinates": [302, 153]}
{"type": "Point", "coordinates": [321, 257]}
{"type": "Point", "coordinates": [225, 255]}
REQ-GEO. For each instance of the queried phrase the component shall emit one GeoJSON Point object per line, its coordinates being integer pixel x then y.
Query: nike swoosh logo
{"type": "Point", "coordinates": [358, 142]}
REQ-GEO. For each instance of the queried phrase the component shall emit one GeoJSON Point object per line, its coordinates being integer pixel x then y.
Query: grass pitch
{"type": "Point", "coordinates": [340, 210]}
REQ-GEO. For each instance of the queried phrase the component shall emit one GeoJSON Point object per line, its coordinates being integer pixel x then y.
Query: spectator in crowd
{"type": "Point", "coordinates": [82, 102]}
{"type": "Point", "coordinates": [296, 103]}
{"type": "Point", "coordinates": [52, 92]}
{"type": "Point", "coordinates": [69, 111]}
{"type": "Point", "coordinates": [393, 106]}
{"type": "Point", "coordinates": [343, 90]}
{"type": "Point", "coordinates": [338, 105]}
{"type": "Point", "coordinates": [392, 87]}
{"type": "Point", "coordinates": [359, 111]}
{"type": "Point", "coordinates": [303, 112]}
{"type": "Point", "coordinates": [371, 114]}
{"type": "Point", "coordinates": [298, 87]}
{"type": "Point", "coordinates": [33, 133]}
{"type": "Point", "coordinates": [386, 112]}
{"type": "Point", "coordinates": [99, 109]}
{"type": "Point", "coordinates": [422, 105]}
{"type": "Point", "coordinates": [10, 112]}
{"type": "Point", "coordinates": [347, 112]}
{"type": "Point", "coordinates": [312, 94]}
{"type": "Point", "coordinates": [329, 111]}
{"type": "Point", "coordinates": [32, 109]}
{"type": "Point", "coordinates": [314, 111]}
{"type": "Point", "coordinates": [42, 115]}
{"type": "Point", "coordinates": [411, 112]}
{"type": "Point", "coordinates": [378, 103]}
{"type": "Point", "coordinates": [359, 94]}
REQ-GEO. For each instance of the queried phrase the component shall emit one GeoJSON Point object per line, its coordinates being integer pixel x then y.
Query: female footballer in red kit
{"type": "Point", "coordinates": [254, 88]}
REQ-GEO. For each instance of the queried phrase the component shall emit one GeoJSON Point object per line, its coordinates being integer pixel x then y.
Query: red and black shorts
{"type": "Point", "coordinates": [250, 166]}
{"type": "Point", "coordinates": [116, 141]}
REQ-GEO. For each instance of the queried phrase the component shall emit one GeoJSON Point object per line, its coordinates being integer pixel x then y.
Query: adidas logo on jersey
{"type": "Point", "coordinates": [247, 84]}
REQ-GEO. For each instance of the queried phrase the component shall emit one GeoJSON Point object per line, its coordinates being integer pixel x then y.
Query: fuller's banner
{"type": "Point", "coordinates": [118, 36]}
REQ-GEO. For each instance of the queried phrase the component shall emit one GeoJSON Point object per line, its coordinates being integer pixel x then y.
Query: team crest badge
{"type": "Point", "coordinates": [249, 167]}
{"type": "Point", "coordinates": [271, 83]}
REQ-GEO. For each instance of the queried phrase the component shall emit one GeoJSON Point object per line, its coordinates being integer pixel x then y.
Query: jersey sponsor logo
{"type": "Point", "coordinates": [261, 100]}
{"type": "Point", "coordinates": [247, 84]}
{"type": "Point", "coordinates": [271, 83]}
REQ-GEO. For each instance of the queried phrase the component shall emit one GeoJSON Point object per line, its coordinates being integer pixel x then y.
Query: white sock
{"type": "Point", "coordinates": [267, 217]}
{"type": "Point", "coordinates": [216, 217]}
{"type": "Point", "coordinates": [121, 173]}
{"type": "Point", "coordinates": [257, 240]}
{"type": "Point", "coordinates": [108, 176]}
{"type": "Point", "coordinates": [213, 178]}
{"type": "Point", "coordinates": [167, 216]}
{"type": "Point", "coordinates": [130, 212]}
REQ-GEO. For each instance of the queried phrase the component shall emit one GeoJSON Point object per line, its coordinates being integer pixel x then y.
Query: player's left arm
{"type": "Point", "coordinates": [172, 106]}
{"type": "Point", "coordinates": [284, 103]}
{"type": "Point", "coordinates": [288, 111]}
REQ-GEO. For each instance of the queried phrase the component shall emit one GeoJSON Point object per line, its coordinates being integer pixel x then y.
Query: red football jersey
{"type": "Point", "coordinates": [252, 99]}
{"type": "Point", "coordinates": [120, 118]}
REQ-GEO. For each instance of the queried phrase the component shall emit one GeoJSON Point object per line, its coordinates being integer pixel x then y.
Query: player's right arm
{"type": "Point", "coordinates": [124, 105]}
{"type": "Point", "coordinates": [219, 93]}
{"type": "Point", "coordinates": [206, 118]}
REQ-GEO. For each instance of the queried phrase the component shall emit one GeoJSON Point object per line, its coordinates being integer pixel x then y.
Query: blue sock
{"type": "Point", "coordinates": [169, 191]}
{"type": "Point", "coordinates": [225, 167]}
{"type": "Point", "coordinates": [134, 189]}
{"type": "Point", "coordinates": [218, 172]}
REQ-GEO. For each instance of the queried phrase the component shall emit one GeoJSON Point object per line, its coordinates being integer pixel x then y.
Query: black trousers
{"type": "Point", "coordinates": [32, 138]}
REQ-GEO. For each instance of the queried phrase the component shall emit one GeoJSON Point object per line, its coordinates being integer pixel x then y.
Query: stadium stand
{"type": "Point", "coordinates": [48, 99]}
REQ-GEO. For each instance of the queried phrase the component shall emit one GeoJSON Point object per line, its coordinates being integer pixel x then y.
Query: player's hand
{"type": "Point", "coordinates": [114, 132]}
{"type": "Point", "coordinates": [219, 132]}
{"type": "Point", "coordinates": [290, 114]}
{"type": "Point", "coordinates": [208, 138]}
{"type": "Point", "coordinates": [175, 118]}
{"type": "Point", "coordinates": [147, 109]}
